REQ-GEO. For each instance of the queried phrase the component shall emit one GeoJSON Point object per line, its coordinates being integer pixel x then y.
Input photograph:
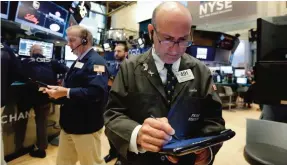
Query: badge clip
{"type": "Point", "coordinates": [151, 73]}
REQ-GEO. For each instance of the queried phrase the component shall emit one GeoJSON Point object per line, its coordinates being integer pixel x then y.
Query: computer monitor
{"type": "Point", "coordinates": [42, 15]}
{"type": "Point", "coordinates": [226, 69]}
{"type": "Point", "coordinates": [239, 72]}
{"type": "Point", "coordinates": [270, 83]}
{"type": "Point", "coordinates": [107, 47]}
{"type": "Point", "coordinates": [25, 45]}
{"type": "Point", "coordinates": [271, 41]}
{"type": "Point", "coordinates": [204, 53]}
{"type": "Point", "coordinates": [69, 55]}
{"type": "Point", "coordinates": [241, 80]}
{"type": "Point", "coordinates": [5, 6]}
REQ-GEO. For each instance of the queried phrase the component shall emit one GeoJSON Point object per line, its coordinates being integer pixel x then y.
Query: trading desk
{"type": "Point", "coordinates": [16, 141]}
{"type": "Point", "coordinates": [225, 99]}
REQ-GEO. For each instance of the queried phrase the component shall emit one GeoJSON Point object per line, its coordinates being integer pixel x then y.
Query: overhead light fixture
{"type": "Point", "coordinates": [57, 42]}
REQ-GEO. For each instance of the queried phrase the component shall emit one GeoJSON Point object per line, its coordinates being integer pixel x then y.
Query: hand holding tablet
{"type": "Point", "coordinates": [188, 146]}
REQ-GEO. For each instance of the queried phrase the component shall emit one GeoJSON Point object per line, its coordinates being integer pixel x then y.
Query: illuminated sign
{"type": "Point", "coordinates": [32, 18]}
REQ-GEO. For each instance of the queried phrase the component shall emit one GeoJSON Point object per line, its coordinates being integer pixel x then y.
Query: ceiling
{"type": "Point", "coordinates": [113, 6]}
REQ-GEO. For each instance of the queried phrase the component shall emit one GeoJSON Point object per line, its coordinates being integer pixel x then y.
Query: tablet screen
{"type": "Point", "coordinates": [184, 143]}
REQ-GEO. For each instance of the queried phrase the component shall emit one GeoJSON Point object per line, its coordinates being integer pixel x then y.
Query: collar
{"type": "Point", "coordinates": [160, 64]}
{"type": "Point", "coordinates": [84, 54]}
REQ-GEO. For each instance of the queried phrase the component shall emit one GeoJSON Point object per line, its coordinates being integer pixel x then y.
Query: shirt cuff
{"type": "Point", "coordinates": [133, 147]}
{"type": "Point", "coordinates": [68, 93]}
{"type": "Point", "coordinates": [211, 155]}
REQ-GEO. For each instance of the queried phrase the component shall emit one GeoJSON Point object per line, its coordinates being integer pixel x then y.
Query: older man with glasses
{"type": "Point", "coordinates": [163, 93]}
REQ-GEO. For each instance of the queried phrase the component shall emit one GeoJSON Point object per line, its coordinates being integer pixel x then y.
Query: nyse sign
{"type": "Point", "coordinates": [221, 11]}
{"type": "Point", "coordinates": [207, 9]}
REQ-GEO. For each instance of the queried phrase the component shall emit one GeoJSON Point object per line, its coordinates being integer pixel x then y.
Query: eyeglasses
{"type": "Point", "coordinates": [169, 43]}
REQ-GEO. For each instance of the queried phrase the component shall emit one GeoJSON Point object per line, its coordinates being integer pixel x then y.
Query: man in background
{"type": "Point", "coordinates": [121, 53]}
{"type": "Point", "coordinates": [38, 68]}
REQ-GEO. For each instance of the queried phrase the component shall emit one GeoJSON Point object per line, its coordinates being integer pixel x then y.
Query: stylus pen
{"type": "Point", "coordinates": [173, 136]}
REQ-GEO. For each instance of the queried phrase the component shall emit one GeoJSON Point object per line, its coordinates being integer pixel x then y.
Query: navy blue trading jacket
{"type": "Point", "coordinates": [82, 112]}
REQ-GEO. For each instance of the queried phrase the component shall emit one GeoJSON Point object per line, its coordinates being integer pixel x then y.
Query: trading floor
{"type": "Point", "coordinates": [230, 154]}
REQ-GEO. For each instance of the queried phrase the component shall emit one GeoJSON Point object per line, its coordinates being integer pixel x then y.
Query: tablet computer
{"type": "Point", "coordinates": [188, 146]}
{"type": "Point", "coordinates": [41, 84]}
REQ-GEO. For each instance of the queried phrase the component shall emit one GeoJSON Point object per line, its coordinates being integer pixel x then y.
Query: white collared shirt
{"type": "Point", "coordinates": [133, 147]}
{"type": "Point", "coordinates": [160, 66]}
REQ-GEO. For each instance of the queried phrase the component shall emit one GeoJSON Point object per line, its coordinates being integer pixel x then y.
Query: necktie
{"type": "Point", "coordinates": [170, 83]}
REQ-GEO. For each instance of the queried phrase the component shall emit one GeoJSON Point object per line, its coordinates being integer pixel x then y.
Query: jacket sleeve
{"type": "Point", "coordinates": [119, 126]}
{"type": "Point", "coordinates": [94, 88]}
{"type": "Point", "coordinates": [212, 113]}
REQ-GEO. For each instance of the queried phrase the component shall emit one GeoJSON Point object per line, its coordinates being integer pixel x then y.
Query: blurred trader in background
{"type": "Point", "coordinates": [121, 53]}
{"type": "Point", "coordinates": [38, 68]}
{"type": "Point", "coordinates": [84, 96]}
{"type": "Point", "coordinates": [149, 85]}
{"type": "Point", "coordinates": [10, 72]}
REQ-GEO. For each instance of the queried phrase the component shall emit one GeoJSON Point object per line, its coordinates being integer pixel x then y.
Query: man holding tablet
{"type": "Point", "coordinates": [173, 87]}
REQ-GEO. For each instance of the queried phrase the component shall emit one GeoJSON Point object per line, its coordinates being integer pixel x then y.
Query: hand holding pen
{"type": "Point", "coordinates": [173, 136]}
{"type": "Point", "coordinates": [154, 133]}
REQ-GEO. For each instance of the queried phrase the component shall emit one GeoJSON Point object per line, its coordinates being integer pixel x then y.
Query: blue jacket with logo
{"type": "Point", "coordinates": [82, 112]}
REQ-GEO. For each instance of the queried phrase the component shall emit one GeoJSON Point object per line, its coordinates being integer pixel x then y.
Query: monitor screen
{"type": "Point", "coordinates": [42, 15]}
{"type": "Point", "coordinates": [107, 47]}
{"type": "Point", "coordinates": [271, 41]}
{"type": "Point", "coordinates": [226, 69]}
{"type": "Point", "coordinates": [204, 53]}
{"type": "Point", "coordinates": [239, 72]}
{"type": "Point", "coordinates": [241, 80]}
{"type": "Point", "coordinates": [5, 9]}
{"type": "Point", "coordinates": [69, 55]}
{"type": "Point", "coordinates": [225, 41]}
{"type": "Point", "coordinates": [25, 45]}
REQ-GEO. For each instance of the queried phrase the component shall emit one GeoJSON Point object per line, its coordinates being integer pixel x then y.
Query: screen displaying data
{"type": "Point", "coordinates": [26, 44]}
